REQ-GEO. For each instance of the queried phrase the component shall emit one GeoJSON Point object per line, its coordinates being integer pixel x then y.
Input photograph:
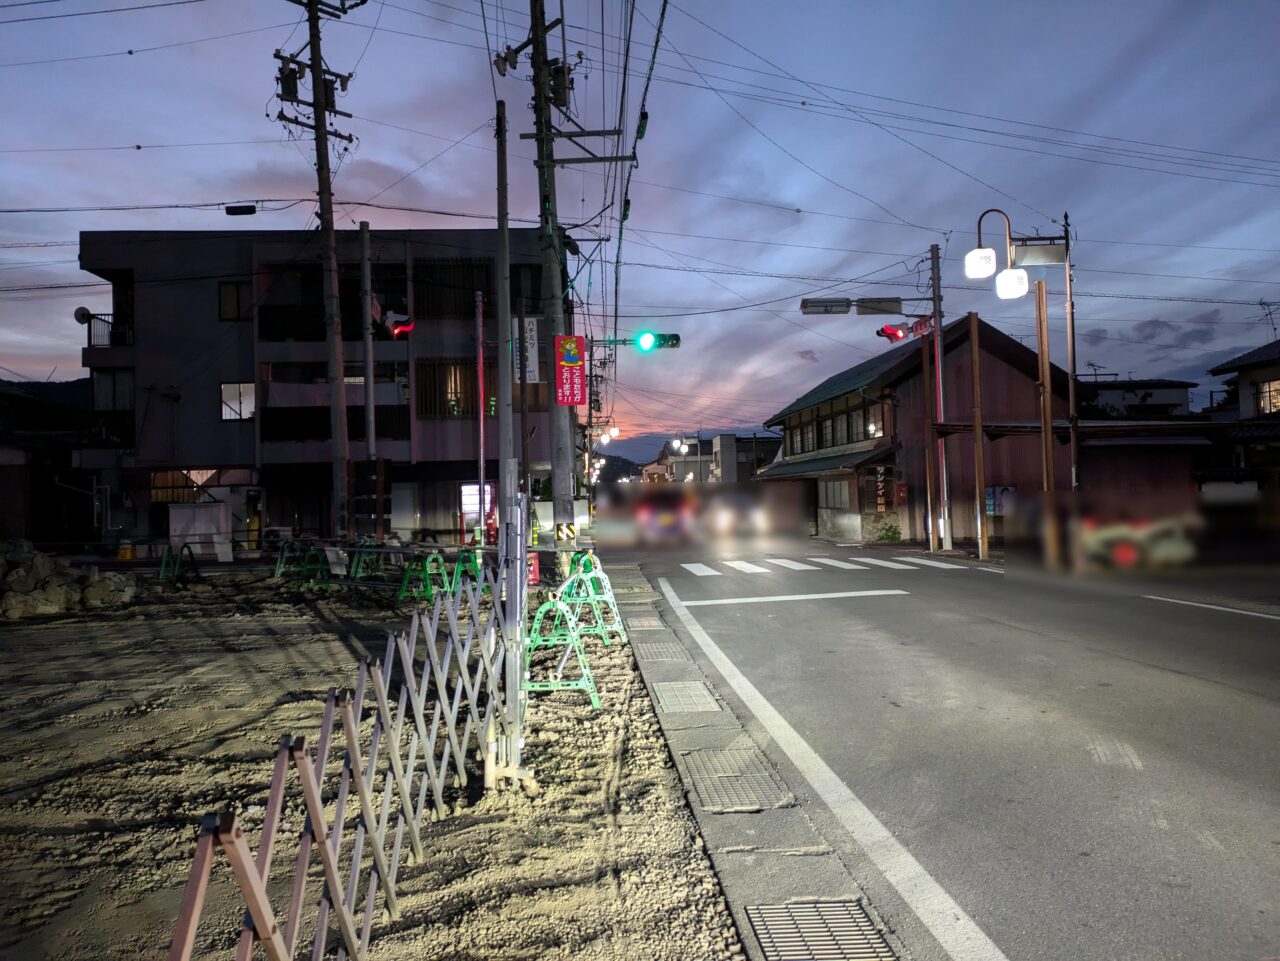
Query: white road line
{"type": "Point", "coordinates": [702, 570]}
{"type": "Point", "coordinates": [832, 562]}
{"type": "Point", "coordinates": [928, 563]}
{"type": "Point", "coordinates": [992, 570]}
{"type": "Point", "coordinates": [787, 597]}
{"type": "Point", "coordinates": [1213, 607]}
{"type": "Point", "coordinates": [790, 564]}
{"type": "Point", "coordinates": [747, 567]}
{"type": "Point", "coordinates": [958, 933]}
{"type": "Point", "coordinates": [892, 565]}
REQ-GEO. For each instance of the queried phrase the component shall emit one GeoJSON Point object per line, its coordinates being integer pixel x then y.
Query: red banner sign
{"type": "Point", "coordinates": [571, 371]}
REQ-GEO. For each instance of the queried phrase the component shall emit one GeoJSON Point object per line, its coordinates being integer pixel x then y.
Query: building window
{"type": "Point", "coordinates": [828, 433]}
{"type": "Point", "coordinates": [1268, 397]}
{"type": "Point", "coordinates": [833, 495]}
{"type": "Point", "coordinates": [807, 439]}
{"type": "Point", "coordinates": [113, 389]}
{"type": "Point", "coordinates": [856, 421]}
{"type": "Point", "coordinates": [874, 422]}
{"type": "Point", "coordinates": [235, 300]}
{"type": "Point", "coordinates": [841, 431]}
{"type": "Point", "coordinates": [447, 388]}
{"type": "Point", "coordinates": [237, 401]}
{"type": "Point", "coordinates": [793, 441]}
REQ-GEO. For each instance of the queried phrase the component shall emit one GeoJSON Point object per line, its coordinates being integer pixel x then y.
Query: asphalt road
{"type": "Point", "coordinates": [1088, 772]}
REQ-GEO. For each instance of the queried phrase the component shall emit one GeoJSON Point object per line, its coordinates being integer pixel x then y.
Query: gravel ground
{"type": "Point", "coordinates": [121, 729]}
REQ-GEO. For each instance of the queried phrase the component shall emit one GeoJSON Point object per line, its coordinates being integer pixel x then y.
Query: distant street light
{"type": "Point", "coordinates": [614, 432]}
{"type": "Point", "coordinates": [1012, 283]}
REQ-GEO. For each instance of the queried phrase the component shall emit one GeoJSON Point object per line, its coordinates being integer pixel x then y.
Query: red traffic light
{"type": "Point", "coordinates": [889, 332]}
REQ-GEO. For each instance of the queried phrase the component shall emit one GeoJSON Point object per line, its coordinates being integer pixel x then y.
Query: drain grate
{"type": "Point", "coordinates": [818, 931]}
{"type": "Point", "coordinates": [644, 622]}
{"type": "Point", "coordinates": [676, 697]}
{"type": "Point", "coordinates": [733, 781]}
{"type": "Point", "coordinates": [651, 649]}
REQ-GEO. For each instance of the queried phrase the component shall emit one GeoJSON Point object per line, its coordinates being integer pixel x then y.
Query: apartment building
{"type": "Point", "coordinates": [209, 374]}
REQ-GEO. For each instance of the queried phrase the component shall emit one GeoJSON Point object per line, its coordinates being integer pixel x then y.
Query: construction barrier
{"type": "Point", "coordinates": [456, 689]}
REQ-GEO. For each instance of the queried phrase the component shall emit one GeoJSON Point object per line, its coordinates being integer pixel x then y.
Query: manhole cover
{"type": "Point", "coordinates": [644, 622]}
{"type": "Point", "coordinates": [676, 697]}
{"type": "Point", "coordinates": [650, 649]}
{"type": "Point", "coordinates": [733, 781]}
{"type": "Point", "coordinates": [818, 931]}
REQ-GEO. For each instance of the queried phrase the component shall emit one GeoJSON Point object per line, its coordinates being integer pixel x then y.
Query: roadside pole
{"type": "Point", "coordinates": [480, 411]}
{"type": "Point", "coordinates": [979, 463]}
{"type": "Point", "coordinates": [366, 323]}
{"type": "Point", "coordinates": [930, 450]}
{"type": "Point", "coordinates": [506, 352]}
{"type": "Point", "coordinates": [944, 493]}
{"type": "Point", "coordinates": [1045, 388]}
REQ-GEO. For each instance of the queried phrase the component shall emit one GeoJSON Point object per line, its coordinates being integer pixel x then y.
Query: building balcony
{"type": "Point", "coordinates": [109, 342]}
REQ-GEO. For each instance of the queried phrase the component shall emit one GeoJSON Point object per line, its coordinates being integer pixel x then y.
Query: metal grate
{"type": "Point", "coordinates": [729, 781]}
{"type": "Point", "coordinates": [650, 649]}
{"type": "Point", "coordinates": [818, 931]}
{"type": "Point", "coordinates": [684, 697]}
{"type": "Point", "coordinates": [644, 622]}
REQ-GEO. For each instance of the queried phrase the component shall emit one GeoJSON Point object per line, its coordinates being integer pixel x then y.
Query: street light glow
{"type": "Point", "coordinates": [684, 448]}
{"type": "Point", "coordinates": [980, 263]}
{"type": "Point", "coordinates": [604, 439]}
{"type": "Point", "coordinates": [614, 432]}
{"type": "Point", "coordinates": [1012, 283]}
{"type": "Point", "coordinates": [675, 443]}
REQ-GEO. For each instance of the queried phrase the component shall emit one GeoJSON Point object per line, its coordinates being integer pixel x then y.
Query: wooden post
{"type": "Point", "coordinates": [979, 465]}
{"type": "Point", "coordinates": [1045, 387]}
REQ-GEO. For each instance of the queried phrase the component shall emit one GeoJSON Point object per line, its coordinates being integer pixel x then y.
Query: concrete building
{"type": "Point", "coordinates": [210, 374]}
{"type": "Point", "coordinates": [1146, 399]}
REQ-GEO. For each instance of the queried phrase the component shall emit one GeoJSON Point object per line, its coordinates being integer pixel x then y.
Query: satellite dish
{"type": "Point", "coordinates": [83, 315]}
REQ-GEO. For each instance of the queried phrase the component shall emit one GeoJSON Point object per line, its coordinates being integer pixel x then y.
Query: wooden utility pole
{"type": "Point", "coordinates": [1045, 388]}
{"type": "Point", "coordinates": [979, 462]}
{"type": "Point", "coordinates": [323, 86]}
{"type": "Point", "coordinates": [930, 470]}
{"type": "Point", "coordinates": [939, 358]}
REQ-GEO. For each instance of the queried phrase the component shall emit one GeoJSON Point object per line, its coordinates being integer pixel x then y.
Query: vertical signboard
{"type": "Point", "coordinates": [571, 371]}
{"type": "Point", "coordinates": [531, 354]}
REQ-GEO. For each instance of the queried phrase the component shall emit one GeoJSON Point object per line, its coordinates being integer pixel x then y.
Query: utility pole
{"type": "Point", "coordinates": [930, 446]}
{"type": "Point", "coordinates": [506, 352]}
{"type": "Point", "coordinates": [552, 82]}
{"type": "Point", "coordinates": [1073, 411]}
{"type": "Point", "coordinates": [935, 277]}
{"type": "Point", "coordinates": [1045, 390]}
{"type": "Point", "coordinates": [323, 86]}
{"type": "Point", "coordinates": [979, 462]}
{"type": "Point", "coordinates": [552, 265]}
{"type": "Point", "coordinates": [524, 392]}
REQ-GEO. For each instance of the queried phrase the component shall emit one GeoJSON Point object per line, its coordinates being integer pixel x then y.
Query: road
{"type": "Point", "coordinates": [1087, 772]}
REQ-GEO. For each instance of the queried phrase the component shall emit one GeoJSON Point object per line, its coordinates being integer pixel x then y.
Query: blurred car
{"type": "Point", "coordinates": [664, 516]}
{"type": "Point", "coordinates": [1128, 543]}
{"type": "Point", "coordinates": [736, 516]}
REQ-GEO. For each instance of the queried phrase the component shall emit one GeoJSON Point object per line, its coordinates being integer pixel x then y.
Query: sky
{"type": "Point", "coordinates": [791, 149]}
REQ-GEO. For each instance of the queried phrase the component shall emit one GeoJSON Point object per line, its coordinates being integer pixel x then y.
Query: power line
{"type": "Point", "coordinates": [137, 50]}
{"type": "Point", "coordinates": [138, 146]}
{"type": "Point", "coordinates": [92, 13]}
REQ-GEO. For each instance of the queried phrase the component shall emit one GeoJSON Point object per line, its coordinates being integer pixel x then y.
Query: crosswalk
{"type": "Point", "coordinates": [820, 563]}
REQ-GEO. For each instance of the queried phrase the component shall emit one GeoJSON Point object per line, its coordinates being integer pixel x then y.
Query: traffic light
{"type": "Point", "coordinates": [647, 340]}
{"type": "Point", "coordinates": [889, 332]}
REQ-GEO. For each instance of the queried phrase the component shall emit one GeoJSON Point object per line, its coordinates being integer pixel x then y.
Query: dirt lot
{"type": "Point", "coordinates": [121, 729]}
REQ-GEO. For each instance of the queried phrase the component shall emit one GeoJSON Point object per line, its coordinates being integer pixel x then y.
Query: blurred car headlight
{"type": "Point", "coordinates": [724, 521]}
{"type": "Point", "coordinates": [760, 520]}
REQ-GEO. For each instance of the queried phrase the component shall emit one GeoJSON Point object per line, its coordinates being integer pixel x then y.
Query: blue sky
{"type": "Point", "coordinates": [789, 147]}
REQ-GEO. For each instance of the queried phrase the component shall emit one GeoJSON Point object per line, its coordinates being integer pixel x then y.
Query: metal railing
{"type": "Point", "coordinates": [105, 332]}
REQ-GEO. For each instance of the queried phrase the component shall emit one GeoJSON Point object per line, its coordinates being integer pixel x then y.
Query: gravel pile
{"type": "Point", "coordinates": [34, 584]}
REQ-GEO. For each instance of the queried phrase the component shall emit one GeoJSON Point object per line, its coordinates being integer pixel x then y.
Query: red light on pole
{"type": "Point", "coordinates": [889, 332]}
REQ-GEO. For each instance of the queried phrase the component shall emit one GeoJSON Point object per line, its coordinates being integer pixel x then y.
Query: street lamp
{"type": "Point", "coordinates": [1011, 283]}
{"type": "Point", "coordinates": [614, 432]}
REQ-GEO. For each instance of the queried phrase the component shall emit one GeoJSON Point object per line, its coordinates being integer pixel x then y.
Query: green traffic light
{"type": "Point", "coordinates": [646, 341]}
